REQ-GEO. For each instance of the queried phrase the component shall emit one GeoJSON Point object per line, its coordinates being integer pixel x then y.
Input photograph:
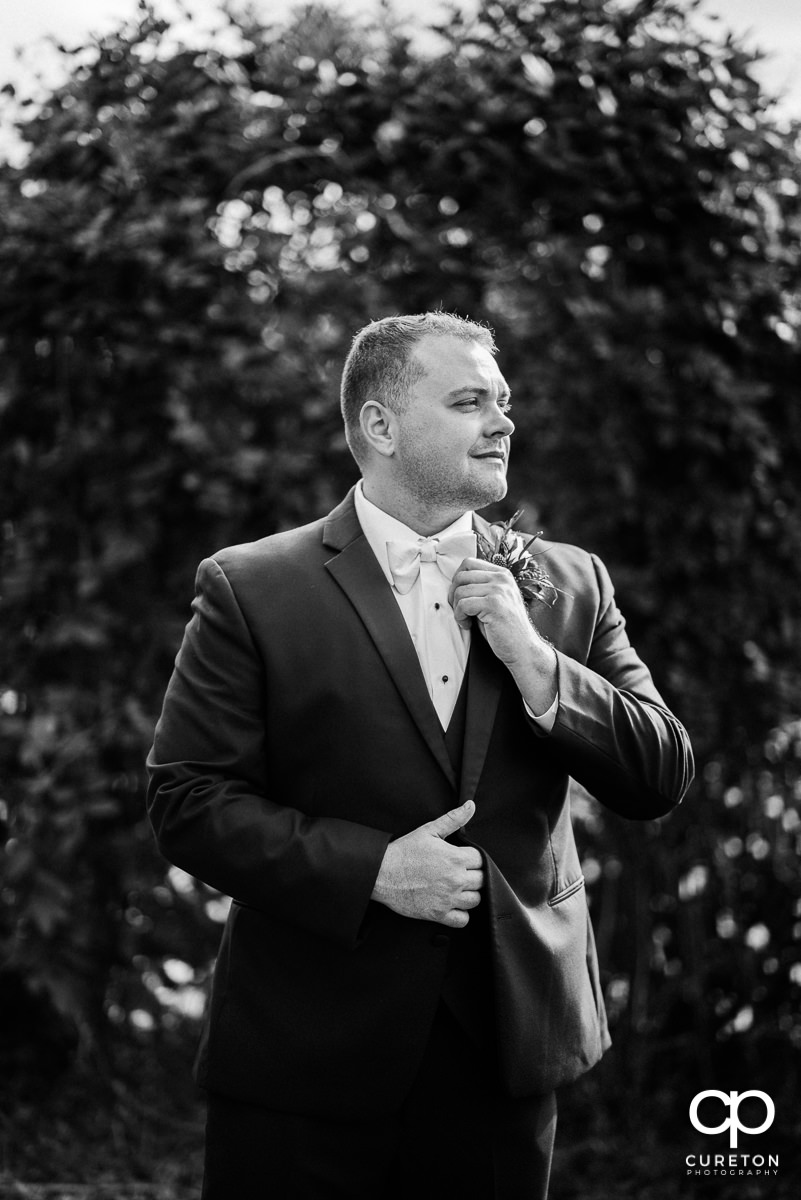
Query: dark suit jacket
{"type": "Point", "coordinates": [298, 738]}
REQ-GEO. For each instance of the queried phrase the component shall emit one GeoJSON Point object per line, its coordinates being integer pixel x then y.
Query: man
{"type": "Point", "coordinates": [366, 742]}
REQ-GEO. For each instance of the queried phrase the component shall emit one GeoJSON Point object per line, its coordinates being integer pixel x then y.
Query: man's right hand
{"type": "Point", "coordinates": [424, 877]}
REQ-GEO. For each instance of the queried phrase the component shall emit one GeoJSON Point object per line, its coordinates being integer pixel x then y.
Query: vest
{"type": "Point", "coordinates": [467, 987]}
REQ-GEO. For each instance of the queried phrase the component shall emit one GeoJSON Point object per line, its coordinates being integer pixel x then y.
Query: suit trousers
{"type": "Point", "coordinates": [456, 1133]}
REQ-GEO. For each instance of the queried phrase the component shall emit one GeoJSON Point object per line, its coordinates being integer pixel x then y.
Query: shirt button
{"type": "Point", "coordinates": [436, 606]}
{"type": "Point", "coordinates": [440, 939]}
{"type": "Point", "coordinates": [444, 678]}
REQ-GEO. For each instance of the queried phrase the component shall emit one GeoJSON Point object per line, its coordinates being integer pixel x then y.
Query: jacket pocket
{"type": "Point", "coordinates": [566, 892]}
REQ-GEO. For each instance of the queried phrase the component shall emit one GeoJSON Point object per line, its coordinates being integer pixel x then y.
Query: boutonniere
{"type": "Point", "coordinates": [508, 548]}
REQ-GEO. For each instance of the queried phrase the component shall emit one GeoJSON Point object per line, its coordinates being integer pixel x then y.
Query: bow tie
{"type": "Point", "coordinates": [447, 553]}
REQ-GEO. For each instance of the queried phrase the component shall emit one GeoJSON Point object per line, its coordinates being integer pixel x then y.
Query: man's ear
{"type": "Point", "coordinates": [379, 425]}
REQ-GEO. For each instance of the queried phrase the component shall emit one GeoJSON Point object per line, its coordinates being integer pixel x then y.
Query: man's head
{"type": "Point", "coordinates": [424, 405]}
{"type": "Point", "coordinates": [381, 366]}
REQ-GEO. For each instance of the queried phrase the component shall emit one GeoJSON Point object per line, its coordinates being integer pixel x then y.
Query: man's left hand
{"type": "Point", "coordinates": [488, 593]}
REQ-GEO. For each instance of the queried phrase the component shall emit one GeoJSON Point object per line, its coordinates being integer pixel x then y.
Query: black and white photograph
{"type": "Point", "coordinates": [400, 600]}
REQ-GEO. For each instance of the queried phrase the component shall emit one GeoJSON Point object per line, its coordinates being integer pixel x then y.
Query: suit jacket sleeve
{"type": "Point", "coordinates": [207, 796]}
{"type": "Point", "coordinates": [617, 737]}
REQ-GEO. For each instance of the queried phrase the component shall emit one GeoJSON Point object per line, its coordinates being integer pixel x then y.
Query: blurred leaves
{"type": "Point", "coordinates": [187, 250]}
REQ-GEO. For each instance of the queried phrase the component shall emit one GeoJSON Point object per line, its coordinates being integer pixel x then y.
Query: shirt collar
{"type": "Point", "coordinates": [379, 528]}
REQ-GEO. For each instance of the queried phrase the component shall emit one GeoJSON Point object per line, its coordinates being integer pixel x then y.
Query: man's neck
{"type": "Point", "coordinates": [424, 521]}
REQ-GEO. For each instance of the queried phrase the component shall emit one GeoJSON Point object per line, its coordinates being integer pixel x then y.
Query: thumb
{"type": "Point", "coordinates": [449, 822]}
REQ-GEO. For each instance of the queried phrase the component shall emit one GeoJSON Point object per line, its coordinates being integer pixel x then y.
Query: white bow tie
{"type": "Point", "coordinates": [447, 553]}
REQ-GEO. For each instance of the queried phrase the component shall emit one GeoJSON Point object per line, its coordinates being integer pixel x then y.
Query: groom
{"type": "Point", "coordinates": [367, 742]}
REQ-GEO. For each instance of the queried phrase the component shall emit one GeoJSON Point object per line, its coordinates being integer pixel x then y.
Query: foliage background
{"type": "Point", "coordinates": [190, 244]}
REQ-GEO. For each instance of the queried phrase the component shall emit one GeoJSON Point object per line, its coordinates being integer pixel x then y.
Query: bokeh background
{"type": "Point", "coordinates": [192, 226]}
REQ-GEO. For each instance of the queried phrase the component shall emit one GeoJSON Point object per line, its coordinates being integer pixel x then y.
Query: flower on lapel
{"type": "Point", "coordinates": [507, 548]}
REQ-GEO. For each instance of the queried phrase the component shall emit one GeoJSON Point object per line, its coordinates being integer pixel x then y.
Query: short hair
{"type": "Point", "coordinates": [380, 367]}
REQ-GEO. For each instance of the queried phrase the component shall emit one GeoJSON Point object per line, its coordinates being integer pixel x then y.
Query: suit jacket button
{"type": "Point", "coordinates": [440, 939]}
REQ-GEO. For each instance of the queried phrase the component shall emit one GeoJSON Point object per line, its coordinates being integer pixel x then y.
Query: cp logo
{"type": "Point", "coordinates": [732, 1100]}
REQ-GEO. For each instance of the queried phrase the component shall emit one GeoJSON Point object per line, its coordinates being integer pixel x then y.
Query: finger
{"type": "Point", "coordinates": [462, 578]}
{"type": "Point", "coordinates": [478, 576]}
{"type": "Point", "coordinates": [457, 918]}
{"type": "Point", "coordinates": [479, 564]}
{"type": "Point", "coordinates": [475, 880]}
{"type": "Point", "coordinates": [449, 822]}
{"type": "Point", "coordinates": [469, 606]}
{"type": "Point", "coordinates": [467, 900]}
{"type": "Point", "coordinates": [470, 858]}
{"type": "Point", "coordinates": [461, 620]}
{"type": "Point", "coordinates": [490, 588]}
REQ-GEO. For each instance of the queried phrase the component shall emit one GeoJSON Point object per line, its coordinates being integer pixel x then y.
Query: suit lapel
{"type": "Point", "coordinates": [358, 574]}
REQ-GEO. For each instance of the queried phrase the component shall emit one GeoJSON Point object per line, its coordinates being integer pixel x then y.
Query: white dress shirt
{"type": "Point", "coordinates": [442, 647]}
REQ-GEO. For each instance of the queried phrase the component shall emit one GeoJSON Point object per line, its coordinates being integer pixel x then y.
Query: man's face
{"type": "Point", "coordinates": [452, 446]}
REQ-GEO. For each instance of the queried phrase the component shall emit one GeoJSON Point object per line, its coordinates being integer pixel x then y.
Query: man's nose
{"type": "Point", "coordinates": [499, 423]}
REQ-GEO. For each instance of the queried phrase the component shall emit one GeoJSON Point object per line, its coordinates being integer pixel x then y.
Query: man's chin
{"type": "Point", "coordinates": [464, 494]}
{"type": "Point", "coordinates": [489, 492]}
